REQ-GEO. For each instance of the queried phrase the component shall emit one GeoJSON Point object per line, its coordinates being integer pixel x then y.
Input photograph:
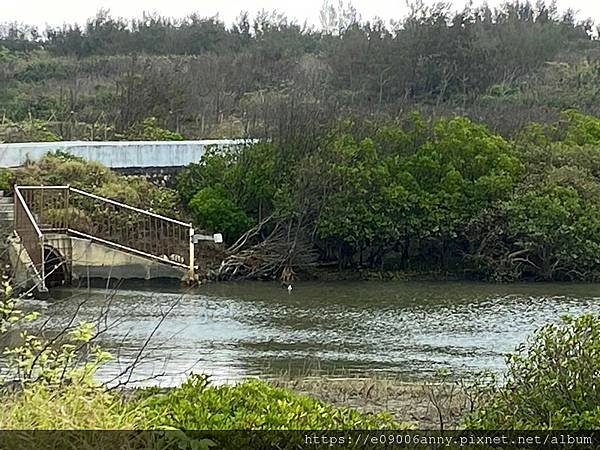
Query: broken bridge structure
{"type": "Point", "coordinates": [63, 234]}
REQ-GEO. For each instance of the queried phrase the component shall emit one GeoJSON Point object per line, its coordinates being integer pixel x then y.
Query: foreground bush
{"type": "Point", "coordinates": [191, 416]}
{"type": "Point", "coordinates": [252, 404]}
{"type": "Point", "coordinates": [76, 406]}
{"type": "Point", "coordinates": [552, 381]}
{"type": "Point", "coordinates": [212, 210]}
{"type": "Point", "coordinates": [74, 416]}
{"type": "Point", "coordinates": [195, 405]}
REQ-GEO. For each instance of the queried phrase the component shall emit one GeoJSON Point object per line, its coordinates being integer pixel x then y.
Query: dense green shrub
{"type": "Point", "coordinates": [33, 130]}
{"type": "Point", "coordinates": [213, 211]}
{"type": "Point", "coordinates": [552, 381]}
{"type": "Point", "coordinates": [449, 195]}
{"type": "Point", "coordinates": [556, 233]}
{"type": "Point", "coordinates": [150, 130]}
{"type": "Point", "coordinates": [252, 404]}
{"type": "Point", "coordinates": [214, 170]}
{"type": "Point", "coordinates": [74, 406]}
{"type": "Point", "coordinates": [6, 180]}
{"type": "Point", "coordinates": [249, 176]}
{"type": "Point", "coordinates": [549, 229]}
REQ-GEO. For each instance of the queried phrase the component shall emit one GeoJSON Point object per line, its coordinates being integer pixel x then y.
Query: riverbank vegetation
{"type": "Point", "coordinates": [460, 144]}
{"type": "Point", "coordinates": [447, 196]}
{"type": "Point", "coordinates": [50, 384]}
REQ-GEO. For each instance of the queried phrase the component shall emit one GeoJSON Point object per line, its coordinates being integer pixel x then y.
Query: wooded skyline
{"type": "Point", "coordinates": [268, 75]}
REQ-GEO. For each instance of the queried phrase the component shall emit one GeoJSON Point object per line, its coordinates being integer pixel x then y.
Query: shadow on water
{"type": "Point", "coordinates": [408, 329]}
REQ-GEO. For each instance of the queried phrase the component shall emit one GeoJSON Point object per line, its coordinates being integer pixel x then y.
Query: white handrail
{"type": "Point", "coordinates": [125, 248]}
{"type": "Point", "coordinates": [44, 187]}
{"type": "Point", "coordinates": [189, 226]}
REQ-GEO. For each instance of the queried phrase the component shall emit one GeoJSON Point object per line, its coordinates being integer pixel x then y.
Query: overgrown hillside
{"type": "Point", "coordinates": [269, 76]}
{"type": "Point", "coordinates": [455, 143]}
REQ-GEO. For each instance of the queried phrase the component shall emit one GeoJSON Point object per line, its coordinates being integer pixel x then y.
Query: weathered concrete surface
{"type": "Point", "coordinates": [6, 226]}
{"type": "Point", "coordinates": [118, 154]}
{"type": "Point", "coordinates": [91, 260]}
{"type": "Point", "coordinates": [25, 276]}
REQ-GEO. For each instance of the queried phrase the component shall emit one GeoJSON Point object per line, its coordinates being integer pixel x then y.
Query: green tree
{"type": "Point", "coordinates": [149, 130]}
{"type": "Point", "coordinates": [354, 214]}
{"type": "Point", "coordinates": [213, 210]}
{"type": "Point", "coordinates": [551, 381]}
{"type": "Point", "coordinates": [556, 234]}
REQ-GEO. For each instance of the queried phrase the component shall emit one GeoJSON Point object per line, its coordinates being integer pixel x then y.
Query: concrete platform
{"type": "Point", "coordinates": [88, 259]}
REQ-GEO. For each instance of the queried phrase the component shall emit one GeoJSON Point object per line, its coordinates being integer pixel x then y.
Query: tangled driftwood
{"type": "Point", "coordinates": [266, 250]}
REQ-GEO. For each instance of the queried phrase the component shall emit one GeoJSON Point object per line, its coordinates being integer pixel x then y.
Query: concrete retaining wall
{"type": "Point", "coordinates": [92, 260]}
{"type": "Point", "coordinates": [118, 155]}
{"type": "Point", "coordinates": [25, 277]}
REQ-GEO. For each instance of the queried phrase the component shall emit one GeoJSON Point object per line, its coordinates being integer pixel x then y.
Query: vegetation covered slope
{"type": "Point", "coordinates": [269, 76]}
{"type": "Point", "coordinates": [457, 143]}
{"type": "Point", "coordinates": [447, 196]}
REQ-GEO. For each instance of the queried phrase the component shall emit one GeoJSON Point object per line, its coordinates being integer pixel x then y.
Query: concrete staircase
{"type": "Point", "coordinates": [7, 214]}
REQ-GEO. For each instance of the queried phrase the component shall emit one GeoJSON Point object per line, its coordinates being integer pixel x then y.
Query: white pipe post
{"type": "Point", "coordinates": [191, 274]}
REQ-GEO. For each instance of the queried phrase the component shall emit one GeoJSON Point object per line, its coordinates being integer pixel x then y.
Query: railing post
{"type": "Point", "coordinates": [41, 211]}
{"type": "Point", "coordinates": [67, 204]}
{"type": "Point", "coordinates": [15, 209]}
{"type": "Point", "coordinates": [191, 269]}
{"type": "Point", "coordinates": [43, 266]}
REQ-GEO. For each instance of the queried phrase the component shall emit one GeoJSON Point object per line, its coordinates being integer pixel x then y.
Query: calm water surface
{"type": "Point", "coordinates": [231, 331]}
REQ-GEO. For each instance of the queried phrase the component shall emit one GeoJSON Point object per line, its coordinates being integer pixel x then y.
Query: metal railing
{"type": "Point", "coordinates": [64, 209]}
{"type": "Point", "coordinates": [30, 235]}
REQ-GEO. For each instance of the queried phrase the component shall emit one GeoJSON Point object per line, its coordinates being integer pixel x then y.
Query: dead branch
{"type": "Point", "coordinates": [288, 244]}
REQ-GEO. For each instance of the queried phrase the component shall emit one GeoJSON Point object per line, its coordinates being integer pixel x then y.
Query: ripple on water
{"type": "Point", "coordinates": [236, 330]}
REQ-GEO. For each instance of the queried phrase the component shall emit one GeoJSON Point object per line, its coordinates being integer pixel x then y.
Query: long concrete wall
{"type": "Point", "coordinates": [89, 259]}
{"type": "Point", "coordinates": [118, 154]}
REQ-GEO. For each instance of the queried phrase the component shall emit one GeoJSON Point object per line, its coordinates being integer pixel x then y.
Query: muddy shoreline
{"type": "Point", "coordinates": [426, 405]}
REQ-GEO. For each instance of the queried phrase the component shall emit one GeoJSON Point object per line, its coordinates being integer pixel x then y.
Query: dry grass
{"type": "Point", "coordinates": [428, 405]}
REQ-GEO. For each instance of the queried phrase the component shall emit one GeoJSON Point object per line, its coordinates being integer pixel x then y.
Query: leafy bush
{"type": "Point", "coordinates": [6, 179]}
{"type": "Point", "coordinates": [137, 191]}
{"type": "Point", "coordinates": [60, 168]}
{"type": "Point", "coordinates": [27, 131]}
{"type": "Point", "coordinates": [71, 357]}
{"type": "Point", "coordinates": [556, 232]}
{"type": "Point", "coordinates": [57, 169]}
{"type": "Point", "coordinates": [249, 175]}
{"type": "Point", "coordinates": [552, 381]}
{"type": "Point", "coordinates": [213, 211]}
{"type": "Point", "coordinates": [75, 406]}
{"type": "Point", "coordinates": [149, 130]}
{"type": "Point", "coordinates": [252, 404]}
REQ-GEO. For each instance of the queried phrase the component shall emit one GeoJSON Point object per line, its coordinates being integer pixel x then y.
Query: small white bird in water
{"type": "Point", "coordinates": [289, 288]}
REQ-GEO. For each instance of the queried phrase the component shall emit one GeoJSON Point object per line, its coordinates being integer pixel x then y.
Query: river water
{"type": "Point", "coordinates": [235, 330]}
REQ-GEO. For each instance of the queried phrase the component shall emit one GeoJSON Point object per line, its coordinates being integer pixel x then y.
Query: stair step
{"type": "Point", "coordinates": [6, 200]}
{"type": "Point", "coordinates": [6, 207]}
